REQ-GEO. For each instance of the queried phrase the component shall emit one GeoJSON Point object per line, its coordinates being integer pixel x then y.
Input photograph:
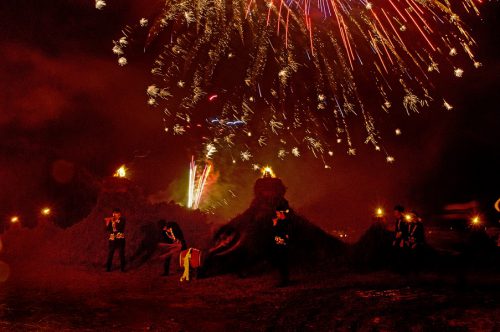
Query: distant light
{"type": "Point", "coordinates": [46, 211]}
{"type": "Point", "coordinates": [476, 220]}
{"type": "Point", "coordinates": [379, 212]}
{"type": "Point", "coordinates": [121, 172]}
{"type": "Point", "coordinates": [408, 217]}
{"type": "Point", "coordinates": [397, 131]}
{"type": "Point", "coordinates": [14, 219]}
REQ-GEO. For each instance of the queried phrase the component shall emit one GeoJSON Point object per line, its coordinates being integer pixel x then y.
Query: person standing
{"type": "Point", "coordinates": [171, 243]}
{"type": "Point", "coordinates": [115, 226]}
{"type": "Point", "coordinates": [281, 238]}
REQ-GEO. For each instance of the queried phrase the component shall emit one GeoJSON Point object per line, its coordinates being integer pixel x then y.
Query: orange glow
{"type": "Point", "coordinates": [379, 212]}
{"type": "Point", "coordinates": [46, 211]}
{"type": "Point", "coordinates": [14, 219]}
{"type": "Point", "coordinates": [476, 220]}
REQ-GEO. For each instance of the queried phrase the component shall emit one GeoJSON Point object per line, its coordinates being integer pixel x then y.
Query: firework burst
{"type": "Point", "coordinates": [298, 74]}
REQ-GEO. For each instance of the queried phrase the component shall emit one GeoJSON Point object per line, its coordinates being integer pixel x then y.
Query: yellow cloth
{"type": "Point", "coordinates": [187, 258]}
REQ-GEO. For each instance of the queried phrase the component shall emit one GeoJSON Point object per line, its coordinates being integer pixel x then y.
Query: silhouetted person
{"type": "Point", "coordinates": [416, 232]}
{"type": "Point", "coordinates": [416, 240]}
{"type": "Point", "coordinates": [115, 226]}
{"type": "Point", "coordinates": [400, 243]}
{"type": "Point", "coordinates": [171, 243]}
{"type": "Point", "coordinates": [400, 228]}
{"type": "Point", "coordinates": [281, 237]}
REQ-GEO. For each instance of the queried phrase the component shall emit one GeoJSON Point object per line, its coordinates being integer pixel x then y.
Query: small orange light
{"type": "Point", "coordinates": [14, 219]}
{"type": "Point", "coordinates": [46, 211]}
{"type": "Point", "coordinates": [476, 220]}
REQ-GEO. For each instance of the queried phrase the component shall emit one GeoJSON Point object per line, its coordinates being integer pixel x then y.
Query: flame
{"type": "Point", "coordinates": [46, 211]}
{"type": "Point", "coordinates": [267, 172]}
{"type": "Point", "coordinates": [121, 172]}
{"type": "Point", "coordinates": [379, 212]}
{"type": "Point", "coordinates": [14, 219]}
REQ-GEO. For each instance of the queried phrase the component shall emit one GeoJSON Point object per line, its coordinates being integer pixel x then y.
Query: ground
{"type": "Point", "coordinates": [58, 298]}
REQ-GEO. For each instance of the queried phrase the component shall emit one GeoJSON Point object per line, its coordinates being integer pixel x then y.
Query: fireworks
{"type": "Point", "coordinates": [298, 73]}
{"type": "Point", "coordinates": [196, 184]}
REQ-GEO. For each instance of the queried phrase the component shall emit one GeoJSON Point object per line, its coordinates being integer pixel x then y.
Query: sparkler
{"type": "Point", "coordinates": [299, 70]}
{"type": "Point", "coordinates": [196, 184]}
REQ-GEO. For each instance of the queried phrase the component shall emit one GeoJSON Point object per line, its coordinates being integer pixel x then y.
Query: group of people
{"type": "Point", "coordinates": [408, 230]}
{"type": "Point", "coordinates": [172, 242]}
{"type": "Point", "coordinates": [409, 240]}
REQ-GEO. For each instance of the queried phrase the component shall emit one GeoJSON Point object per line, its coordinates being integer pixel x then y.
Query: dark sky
{"type": "Point", "coordinates": [69, 115]}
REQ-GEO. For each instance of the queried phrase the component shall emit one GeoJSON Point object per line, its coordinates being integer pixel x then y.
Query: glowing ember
{"type": "Point", "coordinates": [379, 212]}
{"type": "Point", "coordinates": [14, 219]}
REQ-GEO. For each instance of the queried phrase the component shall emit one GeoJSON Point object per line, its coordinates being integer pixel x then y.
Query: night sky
{"type": "Point", "coordinates": [69, 116]}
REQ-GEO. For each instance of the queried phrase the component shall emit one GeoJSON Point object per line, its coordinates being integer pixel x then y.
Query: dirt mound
{"type": "Point", "coordinates": [245, 242]}
{"type": "Point", "coordinates": [86, 243]}
{"type": "Point", "coordinates": [374, 249]}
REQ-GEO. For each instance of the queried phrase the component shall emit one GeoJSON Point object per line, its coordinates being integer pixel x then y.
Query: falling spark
{"type": "Point", "coordinates": [100, 4]}
{"type": "Point", "coordinates": [447, 106]}
{"type": "Point", "coordinates": [122, 61]}
{"type": "Point", "coordinates": [458, 72]}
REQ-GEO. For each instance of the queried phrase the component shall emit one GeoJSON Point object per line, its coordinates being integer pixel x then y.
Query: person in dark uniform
{"type": "Point", "coordinates": [281, 238]}
{"type": "Point", "coordinates": [171, 243]}
{"type": "Point", "coordinates": [115, 227]}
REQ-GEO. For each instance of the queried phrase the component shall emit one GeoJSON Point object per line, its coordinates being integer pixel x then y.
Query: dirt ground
{"type": "Point", "coordinates": [64, 298]}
